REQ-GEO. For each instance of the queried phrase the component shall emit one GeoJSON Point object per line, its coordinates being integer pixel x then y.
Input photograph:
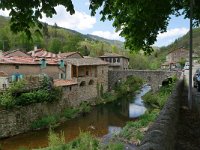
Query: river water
{"type": "Point", "coordinates": [102, 120]}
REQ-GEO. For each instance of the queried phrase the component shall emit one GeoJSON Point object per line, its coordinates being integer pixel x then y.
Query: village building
{"type": "Point", "coordinates": [17, 67]}
{"type": "Point", "coordinates": [91, 76]}
{"type": "Point", "coordinates": [174, 57]}
{"type": "Point", "coordinates": [116, 61]}
{"type": "Point", "coordinates": [177, 54]}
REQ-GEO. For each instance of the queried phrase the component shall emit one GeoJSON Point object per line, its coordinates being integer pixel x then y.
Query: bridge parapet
{"type": "Point", "coordinates": [152, 77]}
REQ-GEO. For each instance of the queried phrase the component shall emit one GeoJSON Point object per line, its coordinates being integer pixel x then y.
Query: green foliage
{"type": "Point", "coordinates": [55, 140]}
{"type": "Point", "coordinates": [115, 146]}
{"type": "Point", "coordinates": [85, 107]}
{"type": "Point", "coordinates": [55, 45]}
{"type": "Point", "coordinates": [48, 121]}
{"type": "Point", "coordinates": [85, 141]}
{"type": "Point", "coordinates": [6, 100]}
{"type": "Point", "coordinates": [129, 86]}
{"type": "Point", "coordinates": [70, 113]}
{"type": "Point", "coordinates": [32, 97]}
{"type": "Point", "coordinates": [182, 62]}
{"type": "Point", "coordinates": [158, 99]}
{"type": "Point", "coordinates": [133, 129]}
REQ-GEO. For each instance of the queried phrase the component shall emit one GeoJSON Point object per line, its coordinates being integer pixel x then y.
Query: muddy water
{"type": "Point", "coordinates": [102, 120]}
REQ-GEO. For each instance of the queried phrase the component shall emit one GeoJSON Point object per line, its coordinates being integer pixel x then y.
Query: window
{"type": "Point", "coordinates": [62, 76]}
{"type": "Point", "coordinates": [16, 67]}
{"type": "Point", "coordinates": [70, 88]}
{"type": "Point", "coordinates": [110, 59]}
{"type": "Point", "coordinates": [82, 83]}
{"type": "Point", "coordinates": [91, 82]}
{"type": "Point", "coordinates": [114, 60]}
{"type": "Point", "coordinates": [102, 71]}
{"type": "Point", "coordinates": [43, 63]}
{"type": "Point", "coordinates": [118, 60]}
{"type": "Point", "coordinates": [61, 64]}
{"type": "Point", "coordinates": [4, 86]}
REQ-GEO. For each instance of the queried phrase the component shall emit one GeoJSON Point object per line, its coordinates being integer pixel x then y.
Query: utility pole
{"type": "Point", "coordinates": [190, 58]}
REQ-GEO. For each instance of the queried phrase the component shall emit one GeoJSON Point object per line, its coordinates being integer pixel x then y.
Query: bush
{"type": "Point", "coordinates": [6, 100]}
{"type": "Point", "coordinates": [85, 107]}
{"type": "Point", "coordinates": [70, 113]}
{"type": "Point", "coordinates": [48, 121]}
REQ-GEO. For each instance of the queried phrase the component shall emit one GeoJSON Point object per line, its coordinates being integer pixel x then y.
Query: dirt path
{"type": "Point", "coordinates": [188, 131]}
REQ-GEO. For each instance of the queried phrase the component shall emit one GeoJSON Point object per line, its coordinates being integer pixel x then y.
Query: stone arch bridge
{"type": "Point", "coordinates": [152, 77]}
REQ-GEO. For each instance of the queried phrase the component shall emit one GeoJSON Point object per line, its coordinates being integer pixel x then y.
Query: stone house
{"type": "Point", "coordinates": [19, 66]}
{"type": "Point", "coordinates": [91, 76]}
{"type": "Point", "coordinates": [176, 54]}
{"type": "Point", "coordinates": [116, 61]}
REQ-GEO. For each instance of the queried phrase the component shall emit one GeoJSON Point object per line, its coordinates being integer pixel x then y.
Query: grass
{"type": "Point", "coordinates": [134, 130]}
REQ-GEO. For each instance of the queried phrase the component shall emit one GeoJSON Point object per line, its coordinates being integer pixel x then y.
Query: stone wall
{"type": "Point", "coordinates": [161, 135]}
{"type": "Point", "coordinates": [153, 77]}
{"type": "Point", "coordinates": [18, 120]}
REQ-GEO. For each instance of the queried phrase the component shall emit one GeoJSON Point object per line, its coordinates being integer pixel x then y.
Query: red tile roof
{"type": "Point", "coordinates": [40, 53]}
{"type": "Point", "coordinates": [61, 82]}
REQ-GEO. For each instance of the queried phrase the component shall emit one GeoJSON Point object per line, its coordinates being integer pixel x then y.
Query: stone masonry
{"type": "Point", "coordinates": [152, 77]}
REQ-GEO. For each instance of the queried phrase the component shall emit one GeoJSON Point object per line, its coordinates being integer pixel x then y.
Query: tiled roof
{"type": "Point", "coordinates": [86, 61]}
{"type": "Point", "coordinates": [61, 82]}
{"type": "Point", "coordinates": [112, 55]}
{"type": "Point", "coordinates": [40, 53]}
{"type": "Point", "coordinates": [16, 52]}
{"type": "Point", "coordinates": [3, 74]}
{"type": "Point", "coordinates": [25, 60]}
{"type": "Point", "coordinates": [69, 54]}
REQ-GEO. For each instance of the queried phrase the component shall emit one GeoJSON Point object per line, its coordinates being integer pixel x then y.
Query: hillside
{"type": "Point", "coordinates": [184, 42]}
{"type": "Point", "coordinates": [57, 39]}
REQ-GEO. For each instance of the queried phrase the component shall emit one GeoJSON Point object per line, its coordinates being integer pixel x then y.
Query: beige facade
{"type": "Point", "coordinates": [176, 55]}
{"type": "Point", "coordinates": [33, 69]}
{"type": "Point", "coordinates": [116, 61]}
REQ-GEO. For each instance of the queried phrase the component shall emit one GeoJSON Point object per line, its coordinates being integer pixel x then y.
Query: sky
{"type": "Point", "coordinates": [82, 22]}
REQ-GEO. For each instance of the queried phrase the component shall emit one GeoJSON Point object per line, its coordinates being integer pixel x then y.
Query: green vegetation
{"type": "Point", "coordinates": [56, 39]}
{"type": "Point", "coordinates": [134, 130]}
{"type": "Point", "coordinates": [123, 88]}
{"type": "Point", "coordinates": [17, 95]}
{"type": "Point", "coordinates": [85, 141]}
{"type": "Point", "coordinates": [52, 121]}
{"type": "Point", "coordinates": [158, 99]}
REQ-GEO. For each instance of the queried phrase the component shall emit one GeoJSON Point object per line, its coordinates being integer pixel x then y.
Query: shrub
{"type": "Point", "coordinates": [45, 122]}
{"type": "Point", "coordinates": [6, 100]}
{"type": "Point", "coordinates": [70, 113]}
{"type": "Point", "coordinates": [55, 140]}
{"type": "Point", "coordinates": [85, 107]}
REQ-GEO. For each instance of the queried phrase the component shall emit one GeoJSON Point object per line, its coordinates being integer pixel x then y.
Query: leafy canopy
{"type": "Point", "coordinates": [139, 21]}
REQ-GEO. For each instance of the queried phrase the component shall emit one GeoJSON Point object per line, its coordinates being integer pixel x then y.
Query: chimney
{"type": "Point", "coordinates": [35, 47]}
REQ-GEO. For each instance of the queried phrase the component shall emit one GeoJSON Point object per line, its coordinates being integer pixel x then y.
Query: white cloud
{"type": "Point", "coordinates": [170, 36]}
{"type": "Point", "coordinates": [107, 35]}
{"type": "Point", "coordinates": [5, 12]}
{"type": "Point", "coordinates": [173, 33]}
{"type": "Point", "coordinates": [78, 21]}
{"type": "Point", "coordinates": [87, 3]}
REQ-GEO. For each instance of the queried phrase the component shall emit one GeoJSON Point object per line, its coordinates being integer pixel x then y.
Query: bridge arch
{"type": "Point", "coordinates": [152, 77]}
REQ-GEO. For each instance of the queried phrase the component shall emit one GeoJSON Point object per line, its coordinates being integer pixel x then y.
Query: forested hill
{"type": "Point", "coordinates": [57, 39]}
{"type": "Point", "coordinates": [184, 42]}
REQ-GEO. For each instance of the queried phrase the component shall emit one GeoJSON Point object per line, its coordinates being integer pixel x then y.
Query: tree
{"type": "Point", "coordinates": [55, 45]}
{"type": "Point", "coordinates": [140, 21]}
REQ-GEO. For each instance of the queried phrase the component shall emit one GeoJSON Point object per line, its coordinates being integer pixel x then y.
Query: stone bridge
{"type": "Point", "coordinates": [152, 77]}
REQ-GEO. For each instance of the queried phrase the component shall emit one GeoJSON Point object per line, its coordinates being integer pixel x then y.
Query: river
{"type": "Point", "coordinates": [102, 120]}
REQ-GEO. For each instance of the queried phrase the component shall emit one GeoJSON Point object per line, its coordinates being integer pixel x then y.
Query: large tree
{"type": "Point", "coordinates": [139, 21]}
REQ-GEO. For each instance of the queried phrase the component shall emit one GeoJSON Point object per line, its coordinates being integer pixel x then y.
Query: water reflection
{"type": "Point", "coordinates": [103, 119]}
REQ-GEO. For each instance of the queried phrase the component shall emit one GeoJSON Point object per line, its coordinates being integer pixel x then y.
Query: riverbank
{"type": "Point", "coordinates": [102, 119]}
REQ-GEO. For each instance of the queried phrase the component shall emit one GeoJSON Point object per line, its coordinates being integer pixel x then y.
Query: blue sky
{"type": "Point", "coordinates": [82, 22]}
